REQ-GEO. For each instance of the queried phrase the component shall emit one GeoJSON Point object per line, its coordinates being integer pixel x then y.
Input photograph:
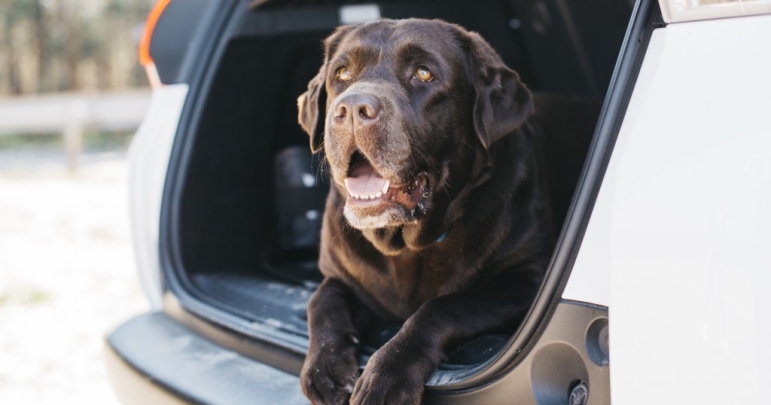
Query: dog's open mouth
{"type": "Point", "coordinates": [367, 188]}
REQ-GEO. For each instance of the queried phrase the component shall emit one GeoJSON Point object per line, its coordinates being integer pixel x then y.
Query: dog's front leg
{"type": "Point", "coordinates": [396, 373]}
{"type": "Point", "coordinates": [330, 369]}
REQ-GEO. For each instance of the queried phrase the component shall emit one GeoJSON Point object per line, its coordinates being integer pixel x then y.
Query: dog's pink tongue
{"type": "Point", "coordinates": [364, 180]}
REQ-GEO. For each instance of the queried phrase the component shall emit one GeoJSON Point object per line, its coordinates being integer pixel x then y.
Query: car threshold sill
{"type": "Point", "coordinates": [170, 355]}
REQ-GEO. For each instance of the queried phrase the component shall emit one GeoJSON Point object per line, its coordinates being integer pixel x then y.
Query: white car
{"type": "Point", "coordinates": [657, 290]}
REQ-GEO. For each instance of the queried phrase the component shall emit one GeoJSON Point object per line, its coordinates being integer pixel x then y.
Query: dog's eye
{"type": "Point", "coordinates": [343, 74]}
{"type": "Point", "coordinates": [424, 74]}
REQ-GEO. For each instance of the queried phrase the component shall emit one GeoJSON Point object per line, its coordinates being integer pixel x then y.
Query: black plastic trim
{"type": "Point", "coordinates": [191, 367]}
{"type": "Point", "coordinates": [645, 18]}
{"type": "Point", "coordinates": [561, 356]}
{"type": "Point", "coordinates": [176, 34]}
{"type": "Point", "coordinates": [264, 350]}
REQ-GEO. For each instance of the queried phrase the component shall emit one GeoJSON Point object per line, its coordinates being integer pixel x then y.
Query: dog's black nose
{"type": "Point", "coordinates": [363, 108]}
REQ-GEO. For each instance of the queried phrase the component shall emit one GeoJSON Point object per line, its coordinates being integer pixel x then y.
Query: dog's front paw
{"type": "Point", "coordinates": [329, 374]}
{"type": "Point", "coordinates": [394, 376]}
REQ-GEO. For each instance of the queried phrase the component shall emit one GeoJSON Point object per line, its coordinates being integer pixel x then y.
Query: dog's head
{"type": "Point", "coordinates": [403, 110]}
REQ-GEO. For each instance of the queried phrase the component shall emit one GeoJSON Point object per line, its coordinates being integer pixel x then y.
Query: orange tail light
{"type": "Point", "coordinates": [145, 59]}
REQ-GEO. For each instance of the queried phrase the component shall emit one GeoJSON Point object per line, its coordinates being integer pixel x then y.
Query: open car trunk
{"type": "Point", "coordinates": [243, 210]}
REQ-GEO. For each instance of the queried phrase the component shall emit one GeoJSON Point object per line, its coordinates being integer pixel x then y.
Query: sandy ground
{"type": "Point", "coordinates": [67, 275]}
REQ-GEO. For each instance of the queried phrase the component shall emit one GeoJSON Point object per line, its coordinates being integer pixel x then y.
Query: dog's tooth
{"type": "Point", "coordinates": [378, 194]}
{"type": "Point", "coordinates": [386, 186]}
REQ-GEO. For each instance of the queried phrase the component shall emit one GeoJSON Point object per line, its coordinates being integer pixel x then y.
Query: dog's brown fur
{"type": "Point", "coordinates": [467, 137]}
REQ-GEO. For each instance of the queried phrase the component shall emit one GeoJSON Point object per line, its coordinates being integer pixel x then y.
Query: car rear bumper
{"type": "Point", "coordinates": [152, 359]}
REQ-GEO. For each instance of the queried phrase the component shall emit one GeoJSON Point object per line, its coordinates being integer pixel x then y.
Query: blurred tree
{"type": "Point", "coordinates": [40, 33]}
{"type": "Point", "coordinates": [13, 12]}
{"type": "Point", "coordinates": [69, 45]}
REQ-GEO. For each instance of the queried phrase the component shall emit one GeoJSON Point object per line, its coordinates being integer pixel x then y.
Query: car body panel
{"type": "Point", "coordinates": [678, 11]}
{"type": "Point", "coordinates": [678, 240]}
{"type": "Point", "coordinates": [148, 162]}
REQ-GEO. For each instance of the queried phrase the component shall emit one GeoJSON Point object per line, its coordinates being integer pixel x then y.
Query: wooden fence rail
{"type": "Point", "coordinates": [71, 113]}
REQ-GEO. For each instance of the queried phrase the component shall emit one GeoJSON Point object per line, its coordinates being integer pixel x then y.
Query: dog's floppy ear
{"type": "Point", "coordinates": [502, 102]}
{"type": "Point", "coordinates": [311, 106]}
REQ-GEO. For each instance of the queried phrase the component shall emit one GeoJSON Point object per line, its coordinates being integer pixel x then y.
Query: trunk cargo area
{"type": "Point", "coordinates": [245, 220]}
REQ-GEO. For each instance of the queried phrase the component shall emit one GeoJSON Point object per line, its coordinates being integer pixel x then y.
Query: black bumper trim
{"type": "Point", "coordinates": [166, 354]}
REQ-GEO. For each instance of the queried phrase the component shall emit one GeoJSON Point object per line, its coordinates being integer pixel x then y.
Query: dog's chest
{"type": "Point", "coordinates": [401, 284]}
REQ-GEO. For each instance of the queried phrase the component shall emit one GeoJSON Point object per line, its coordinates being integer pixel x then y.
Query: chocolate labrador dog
{"type": "Point", "coordinates": [439, 213]}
